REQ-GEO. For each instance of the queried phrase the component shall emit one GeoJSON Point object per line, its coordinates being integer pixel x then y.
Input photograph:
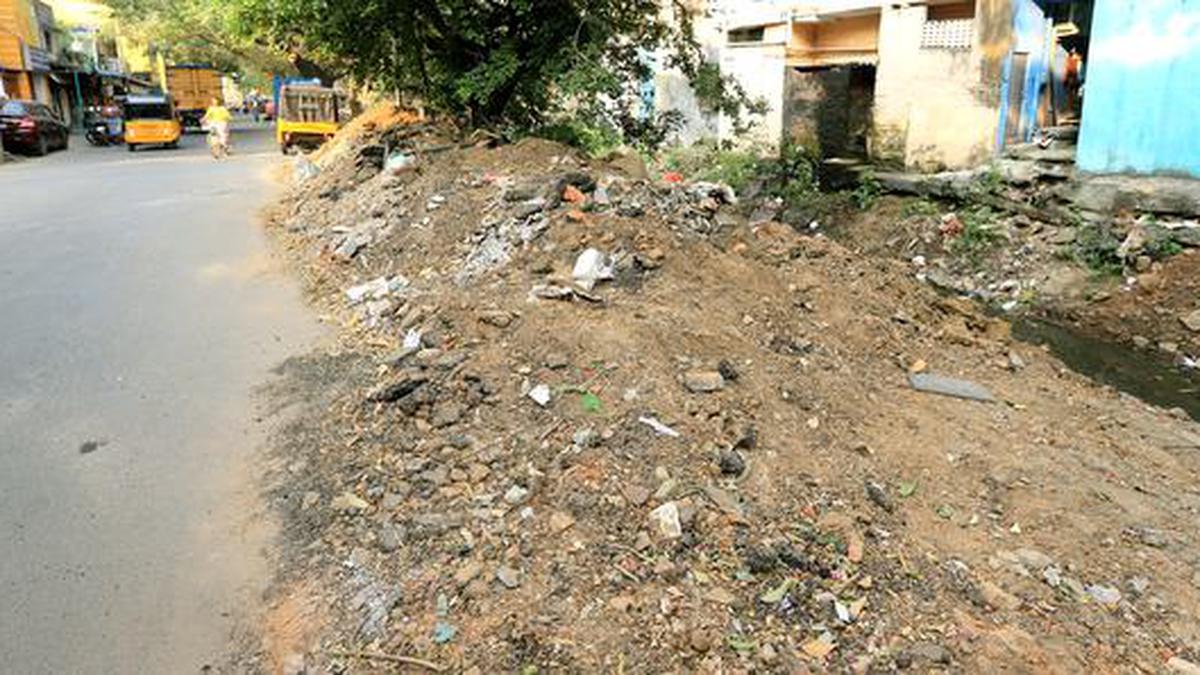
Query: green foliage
{"type": "Point", "coordinates": [991, 183]}
{"type": "Point", "coordinates": [1097, 247]}
{"type": "Point", "coordinates": [707, 161]}
{"type": "Point", "coordinates": [920, 208]}
{"type": "Point", "coordinates": [867, 191]}
{"type": "Point", "coordinates": [979, 236]}
{"type": "Point", "coordinates": [517, 65]}
{"type": "Point", "coordinates": [793, 177]}
{"type": "Point", "coordinates": [1163, 249]}
{"type": "Point", "coordinates": [597, 140]}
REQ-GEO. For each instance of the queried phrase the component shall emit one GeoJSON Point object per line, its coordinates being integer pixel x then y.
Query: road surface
{"type": "Point", "coordinates": [139, 312]}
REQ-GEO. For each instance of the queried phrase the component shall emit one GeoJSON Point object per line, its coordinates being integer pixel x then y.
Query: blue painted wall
{"type": "Point", "coordinates": [1141, 110]}
{"type": "Point", "coordinates": [1032, 36]}
{"type": "Point", "coordinates": [1031, 31]}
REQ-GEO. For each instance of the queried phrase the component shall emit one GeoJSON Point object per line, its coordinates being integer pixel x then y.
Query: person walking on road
{"type": "Point", "coordinates": [216, 119]}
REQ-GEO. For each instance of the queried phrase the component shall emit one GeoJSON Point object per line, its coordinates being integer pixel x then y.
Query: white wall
{"type": "Point", "coordinates": [760, 70]}
{"type": "Point", "coordinates": [931, 110]}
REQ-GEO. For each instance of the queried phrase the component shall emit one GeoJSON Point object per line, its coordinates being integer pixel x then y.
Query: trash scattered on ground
{"type": "Point", "coordinates": [540, 395]}
{"type": "Point", "coordinates": [659, 427]}
{"type": "Point", "coordinates": [481, 475]}
{"type": "Point", "coordinates": [591, 267]}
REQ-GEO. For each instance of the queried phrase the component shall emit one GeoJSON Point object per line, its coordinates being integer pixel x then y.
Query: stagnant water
{"type": "Point", "coordinates": [1146, 375]}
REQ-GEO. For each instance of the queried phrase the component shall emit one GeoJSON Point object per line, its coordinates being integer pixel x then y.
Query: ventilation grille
{"type": "Point", "coordinates": [948, 34]}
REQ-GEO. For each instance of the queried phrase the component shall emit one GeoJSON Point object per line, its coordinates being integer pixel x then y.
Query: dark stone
{"type": "Point", "coordinates": [760, 560]}
{"type": "Point", "coordinates": [879, 496]}
{"type": "Point", "coordinates": [522, 193]}
{"type": "Point", "coordinates": [394, 391]}
{"type": "Point", "coordinates": [793, 557]}
{"type": "Point", "coordinates": [747, 439]}
{"type": "Point", "coordinates": [727, 371]}
{"type": "Point", "coordinates": [731, 463]}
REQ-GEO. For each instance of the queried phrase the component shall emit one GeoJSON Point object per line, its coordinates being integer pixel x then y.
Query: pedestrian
{"type": "Point", "coordinates": [216, 119]}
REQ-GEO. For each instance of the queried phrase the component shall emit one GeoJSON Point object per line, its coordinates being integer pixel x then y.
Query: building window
{"type": "Point", "coordinates": [948, 34]}
{"type": "Point", "coordinates": [956, 10]}
{"type": "Point", "coordinates": [747, 35]}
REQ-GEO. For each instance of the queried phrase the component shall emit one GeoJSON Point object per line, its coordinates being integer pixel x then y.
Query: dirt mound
{"type": "Point", "coordinates": [611, 426]}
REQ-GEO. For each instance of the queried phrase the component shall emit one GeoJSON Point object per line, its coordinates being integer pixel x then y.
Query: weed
{"type": "Point", "coordinates": [990, 184]}
{"type": "Point", "coordinates": [793, 177]}
{"type": "Point", "coordinates": [980, 234]}
{"type": "Point", "coordinates": [707, 161]}
{"type": "Point", "coordinates": [1097, 247]}
{"type": "Point", "coordinates": [1163, 249]}
{"type": "Point", "coordinates": [868, 190]}
{"type": "Point", "coordinates": [920, 208]}
{"type": "Point", "coordinates": [596, 140]}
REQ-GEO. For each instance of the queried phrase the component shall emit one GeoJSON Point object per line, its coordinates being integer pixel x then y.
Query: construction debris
{"type": "Point", "coordinates": [481, 474]}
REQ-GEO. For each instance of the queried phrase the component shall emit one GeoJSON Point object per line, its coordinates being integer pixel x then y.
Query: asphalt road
{"type": "Point", "coordinates": [138, 312]}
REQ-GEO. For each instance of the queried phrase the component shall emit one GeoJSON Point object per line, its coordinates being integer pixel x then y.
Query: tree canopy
{"type": "Point", "coordinates": [494, 62]}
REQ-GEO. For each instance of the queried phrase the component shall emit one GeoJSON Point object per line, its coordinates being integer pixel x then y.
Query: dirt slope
{"type": "Point", "coordinates": [814, 513]}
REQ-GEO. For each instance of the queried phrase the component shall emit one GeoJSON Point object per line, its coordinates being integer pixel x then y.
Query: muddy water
{"type": "Point", "coordinates": [1148, 376]}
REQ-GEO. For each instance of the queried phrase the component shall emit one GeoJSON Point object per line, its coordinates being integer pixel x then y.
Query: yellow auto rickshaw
{"type": "Point", "coordinates": [150, 120]}
{"type": "Point", "coordinates": [308, 115]}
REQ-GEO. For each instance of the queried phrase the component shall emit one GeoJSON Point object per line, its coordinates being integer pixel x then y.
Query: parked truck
{"type": "Point", "coordinates": [193, 87]}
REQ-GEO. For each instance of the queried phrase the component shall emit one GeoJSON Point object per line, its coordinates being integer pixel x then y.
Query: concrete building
{"type": "Point", "coordinates": [26, 34]}
{"type": "Point", "coordinates": [1141, 111]}
{"type": "Point", "coordinates": [925, 84]}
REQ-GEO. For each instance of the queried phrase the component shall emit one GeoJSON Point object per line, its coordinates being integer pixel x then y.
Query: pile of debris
{"type": "Point", "coordinates": [1027, 235]}
{"type": "Point", "coordinates": [584, 420]}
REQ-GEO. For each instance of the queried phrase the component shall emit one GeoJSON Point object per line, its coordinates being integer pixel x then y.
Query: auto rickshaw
{"type": "Point", "coordinates": [150, 120]}
{"type": "Point", "coordinates": [308, 115]}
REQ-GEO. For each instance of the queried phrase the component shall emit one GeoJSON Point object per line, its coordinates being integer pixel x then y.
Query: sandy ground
{"type": "Point", "coordinates": [814, 513]}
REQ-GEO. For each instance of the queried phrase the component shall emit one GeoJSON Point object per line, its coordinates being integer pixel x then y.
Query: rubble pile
{"type": "Point", "coordinates": [1110, 254]}
{"type": "Point", "coordinates": [582, 420]}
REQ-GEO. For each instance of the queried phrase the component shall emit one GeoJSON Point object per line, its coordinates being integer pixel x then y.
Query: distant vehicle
{"type": "Point", "coordinates": [103, 127]}
{"type": "Point", "coordinates": [308, 115]}
{"type": "Point", "coordinates": [32, 127]}
{"type": "Point", "coordinates": [150, 120]}
{"type": "Point", "coordinates": [193, 88]}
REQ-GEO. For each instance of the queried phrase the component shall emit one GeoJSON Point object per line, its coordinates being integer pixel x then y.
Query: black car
{"type": "Point", "coordinates": [31, 126]}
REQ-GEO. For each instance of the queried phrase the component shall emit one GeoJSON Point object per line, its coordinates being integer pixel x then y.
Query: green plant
{"type": "Point", "coordinates": [1163, 249]}
{"type": "Point", "coordinates": [867, 191]}
{"type": "Point", "coordinates": [707, 161]}
{"type": "Point", "coordinates": [513, 65]}
{"type": "Point", "coordinates": [793, 177]}
{"type": "Point", "coordinates": [980, 234]}
{"type": "Point", "coordinates": [1097, 247]}
{"type": "Point", "coordinates": [989, 184]}
{"type": "Point", "coordinates": [596, 140]}
{"type": "Point", "coordinates": [920, 208]}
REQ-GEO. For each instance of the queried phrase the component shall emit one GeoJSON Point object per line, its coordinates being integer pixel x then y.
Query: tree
{"type": "Point", "coordinates": [508, 63]}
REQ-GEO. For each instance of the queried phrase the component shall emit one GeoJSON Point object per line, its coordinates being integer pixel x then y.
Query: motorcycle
{"type": "Point", "coordinates": [99, 132]}
{"type": "Point", "coordinates": [217, 143]}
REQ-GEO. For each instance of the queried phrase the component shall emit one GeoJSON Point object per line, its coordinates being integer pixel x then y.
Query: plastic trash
{"type": "Point", "coordinates": [412, 339]}
{"type": "Point", "coordinates": [660, 428]}
{"type": "Point", "coordinates": [305, 170]}
{"type": "Point", "coordinates": [591, 267]}
{"type": "Point", "coordinates": [540, 395]}
{"type": "Point", "coordinates": [399, 161]}
{"type": "Point", "coordinates": [376, 289]}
